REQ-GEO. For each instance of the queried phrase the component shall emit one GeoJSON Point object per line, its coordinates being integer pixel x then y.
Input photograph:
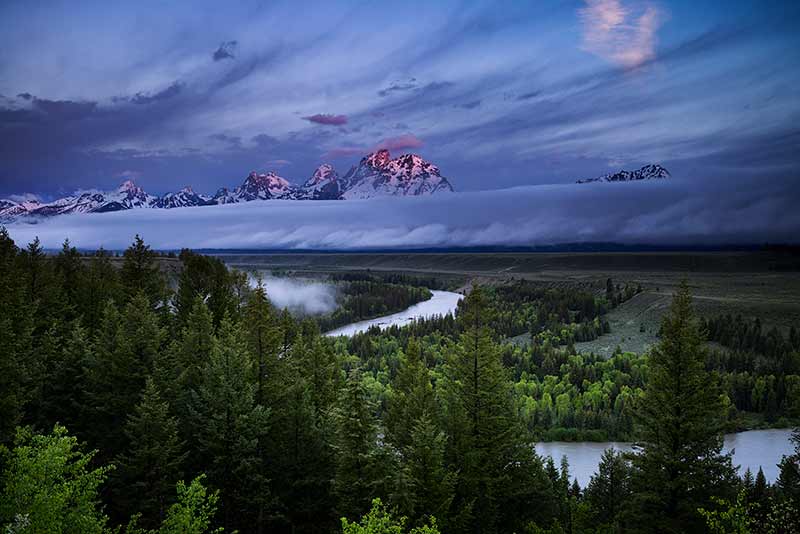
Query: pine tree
{"type": "Point", "coordinates": [483, 441]}
{"type": "Point", "coordinates": [356, 449]}
{"type": "Point", "coordinates": [431, 485]}
{"type": "Point", "coordinates": [609, 490]}
{"type": "Point", "coordinates": [16, 326]}
{"type": "Point", "coordinates": [151, 465]}
{"type": "Point", "coordinates": [679, 464]}
{"type": "Point", "coordinates": [125, 350]}
{"type": "Point", "coordinates": [140, 273]}
{"type": "Point", "coordinates": [412, 396]}
{"type": "Point", "coordinates": [101, 284]}
{"type": "Point", "coordinates": [229, 424]}
{"type": "Point", "coordinates": [70, 269]}
{"type": "Point", "coordinates": [62, 393]}
{"type": "Point", "coordinates": [185, 361]}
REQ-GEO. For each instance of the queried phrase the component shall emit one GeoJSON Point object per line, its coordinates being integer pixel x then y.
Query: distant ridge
{"type": "Point", "coordinates": [376, 175]}
{"type": "Point", "coordinates": [648, 172]}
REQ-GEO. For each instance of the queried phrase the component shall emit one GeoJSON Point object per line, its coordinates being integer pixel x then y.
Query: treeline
{"type": "Point", "coordinates": [365, 299]}
{"type": "Point", "coordinates": [431, 282]}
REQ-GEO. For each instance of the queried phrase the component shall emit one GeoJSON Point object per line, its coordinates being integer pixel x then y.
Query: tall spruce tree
{"type": "Point", "coordinates": [483, 440]}
{"type": "Point", "coordinates": [147, 471]}
{"type": "Point", "coordinates": [679, 465]}
{"type": "Point", "coordinates": [609, 490]}
{"type": "Point", "coordinates": [356, 449]}
{"type": "Point", "coordinates": [140, 273]}
{"type": "Point", "coordinates": [16, 324]}
{"type": "Point", "coordinates": [230, 424]}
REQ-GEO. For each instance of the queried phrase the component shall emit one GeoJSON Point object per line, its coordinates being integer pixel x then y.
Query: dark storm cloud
{"type": "Point", "coordinates": [327, 119]}
{"type": "Point", "coordinates": [166, 94]}
{"type": "Point", "coordinates": [398, 87]}
{"type": "Point", "coordinates": [470, 105]}
{"type": "Point", "coordinates": [528, 96]}
{"type": "Point", "coordinates": [225, 51]}
{"type": "Point", "coordinates": [67, 110]}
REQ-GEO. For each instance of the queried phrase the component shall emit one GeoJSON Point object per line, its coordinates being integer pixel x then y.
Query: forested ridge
{"type": "Point", "coordinates": [130, 401]}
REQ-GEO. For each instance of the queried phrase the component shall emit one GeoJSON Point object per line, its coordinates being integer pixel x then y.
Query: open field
{"type": "Point", "coordinates": [754, 284]}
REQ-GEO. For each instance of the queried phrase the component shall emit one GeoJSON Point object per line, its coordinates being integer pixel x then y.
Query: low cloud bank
{"type": "Point", "coordinates": [308, 297]}
{"type": "Point", "coordinates": [654, 212]}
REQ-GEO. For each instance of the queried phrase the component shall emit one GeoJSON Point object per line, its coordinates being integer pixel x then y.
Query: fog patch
{"type": "Point", "coordinates": [661, 212]}
{"type": "Point", "coordinates": [301, 296]}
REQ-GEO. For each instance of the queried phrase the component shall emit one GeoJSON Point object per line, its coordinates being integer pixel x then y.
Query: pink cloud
{"type": "Point", "coordinates": [402, 142]}
{"type": "Point", "coordinates": [344, 151]}
{"type": "Point", "coordinates": [327, 119]}
{"type": "Point", "coordinates": [392, 144]}
{"type": "Point", "coordinates": [620, 34]}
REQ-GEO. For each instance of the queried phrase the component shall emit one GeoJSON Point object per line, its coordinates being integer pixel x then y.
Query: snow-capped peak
{"type": "Point", "coordinates": [407, 175]}
{"type": "Point", "coordinates": [378, 159]}
{"type": "Point", "coordinates": [324, 172]}
{"type": "Point", "coordinates": [648, 172]}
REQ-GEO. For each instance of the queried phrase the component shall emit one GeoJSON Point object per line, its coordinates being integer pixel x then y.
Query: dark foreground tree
{"type": "Point", "coordinates": [679, 463]}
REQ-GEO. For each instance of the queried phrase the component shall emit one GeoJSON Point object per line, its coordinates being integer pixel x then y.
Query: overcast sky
{"type": "Point", "coordinates": [511, 94]}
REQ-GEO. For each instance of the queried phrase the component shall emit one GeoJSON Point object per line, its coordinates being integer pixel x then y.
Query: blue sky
{"type": "Point", "coordinates": [516, 93]}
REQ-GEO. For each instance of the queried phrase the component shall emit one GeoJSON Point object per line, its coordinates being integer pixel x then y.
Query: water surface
{"type": "Point", "coordinates": [753, 449]}
{"type": "Point", "coordinates": [441, 303]}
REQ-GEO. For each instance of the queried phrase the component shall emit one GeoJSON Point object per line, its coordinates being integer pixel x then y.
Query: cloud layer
{"type": "Point", "coordinates": [518, 94]}
{"type": "Point", "coordinates": [655, 212]}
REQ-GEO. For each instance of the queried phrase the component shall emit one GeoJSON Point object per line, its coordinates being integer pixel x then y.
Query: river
{"type": "Point", "coordinates": [753, 449]}
{"type": "Point", "coordinates": [441, 303]}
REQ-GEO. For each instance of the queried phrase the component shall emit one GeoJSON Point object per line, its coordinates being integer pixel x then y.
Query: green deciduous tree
{"type": "Point", "coordinates": [379, 521]}
{"type": "Point", "coordinates": [49, 487]}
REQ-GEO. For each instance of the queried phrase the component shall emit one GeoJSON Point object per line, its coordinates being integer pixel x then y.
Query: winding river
{"type": "Point", "coordinates": [753, 449]}
{"type": "Point", "coordinates": [441, 303]}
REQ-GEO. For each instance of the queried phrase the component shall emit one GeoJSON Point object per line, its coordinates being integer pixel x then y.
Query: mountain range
{"type": "Point", "coordinates": [376, 175]}
{"type": "Point", "coordinates": [648, 172]}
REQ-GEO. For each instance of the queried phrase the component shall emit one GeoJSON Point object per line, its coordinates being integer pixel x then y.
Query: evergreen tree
{"type": "Point", "coordinates": [679, 464]}
{"type": "Point", "coordinates": [609, 490]}
{"type": "Point", "coordinates": [412, 396]}
{"type": "Point", "coordinates": [357, 469]}
{"type": "Point", "coordinates": [140, 273]}
{"type": "Point", "coordinates": [147, 471]}
{"type": "Point", "coordinates": [101, 283]}
{"type": "Point", "coordinates": [16, 324]}
{"type": "Point", "coordinates": [788, 482]}
{"type": "Point", "coordinates": [62, 393]}
{"type": "Point", "coordinates": [186, 360]}
{"type": "Point", "coordinates": [430, 485]}
{"type": "Point", "coordinates": [482, 441]}
{"type": "Point", "coordinates": [229, 424]}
